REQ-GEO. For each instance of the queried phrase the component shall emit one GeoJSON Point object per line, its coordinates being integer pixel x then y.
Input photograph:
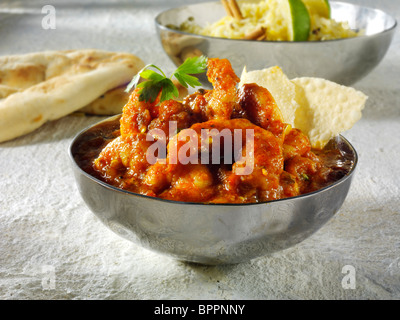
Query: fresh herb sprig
{"type": "Point", "coordinates": [156, 80]}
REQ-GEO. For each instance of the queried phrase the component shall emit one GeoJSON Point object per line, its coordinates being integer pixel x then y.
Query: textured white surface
{"type": "Point", "coordinates": [52, 246]}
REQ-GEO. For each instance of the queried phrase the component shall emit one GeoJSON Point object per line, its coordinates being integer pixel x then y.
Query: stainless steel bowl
{"type": "Point", "coordinates": [211, 233]}
{"type": "Point", "coordinates": [344, 61]}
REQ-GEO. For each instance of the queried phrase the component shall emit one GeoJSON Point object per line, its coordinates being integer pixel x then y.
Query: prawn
{"type": "Point", "coordinates": [296, 143]}
{"type": "Point", "coordinates": [193, 182]}
{"type": "Point", "coordinates": [123, 162]}
{"type": "Point", "coordinates": [136, 114]}
{"type": "Point", "coordinates": [222, 99]}
{"type": "Point", "coordinates": [266, 158]}
{"type": "Point", "coordinates": [257, 104]}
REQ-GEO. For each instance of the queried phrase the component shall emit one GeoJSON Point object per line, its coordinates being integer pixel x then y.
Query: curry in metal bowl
{"type": "Point", "coordinates": [226, 145]}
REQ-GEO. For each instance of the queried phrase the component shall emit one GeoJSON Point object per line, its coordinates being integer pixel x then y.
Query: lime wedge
{"type": "Point", "coordinates": [299, 21]}
{"type": "Point", "coordinates": [320, 8]}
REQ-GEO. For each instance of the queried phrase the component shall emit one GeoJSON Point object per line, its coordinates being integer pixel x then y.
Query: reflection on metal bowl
{"type": "Point", "coordinates": [211, 233]}
{"type": "Point", "coordinates": [344, 61]}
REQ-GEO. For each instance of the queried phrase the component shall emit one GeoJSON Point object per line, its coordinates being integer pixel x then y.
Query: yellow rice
{"type": "Point", "coordinates": [267, 14]}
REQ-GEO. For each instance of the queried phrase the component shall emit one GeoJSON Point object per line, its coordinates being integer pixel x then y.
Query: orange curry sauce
{"type": "Point", "coordinates": [283, 163]}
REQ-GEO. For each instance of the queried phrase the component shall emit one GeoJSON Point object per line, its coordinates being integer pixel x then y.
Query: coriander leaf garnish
{"type": "Point", "coordinates": [135, 80]}
{"type": "Point", "coordinates": [156, 80]}
{"type": "Point", "coordinates": [169, 90]}
{"type": "Point", "coordinates": [192, 65]}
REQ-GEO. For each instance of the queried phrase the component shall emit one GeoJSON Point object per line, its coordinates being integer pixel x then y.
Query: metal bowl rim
{"type": "Point", "coordinates": [108, 186]}
{"type": "Point", "coordinates": [161, 26]}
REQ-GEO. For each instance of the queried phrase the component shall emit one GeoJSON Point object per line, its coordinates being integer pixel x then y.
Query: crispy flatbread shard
{"type": "Point", "coordinates": [43, 86]}
{"type": "Point", "coordinates": [320, 108]}
{"type": "Point", "coordinates": [279, 85]}
{"type": "Point", "coordinates": [331, 109]}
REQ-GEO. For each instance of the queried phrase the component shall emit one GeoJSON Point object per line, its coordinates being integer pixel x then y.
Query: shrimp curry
{"type": "Point", "coordinates": [283, 163]}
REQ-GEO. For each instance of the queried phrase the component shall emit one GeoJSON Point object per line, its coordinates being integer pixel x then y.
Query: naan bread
{"type": "Point", "coordinates": [109, 103]}
{"type": "Point", "coordinates": [39, 87]}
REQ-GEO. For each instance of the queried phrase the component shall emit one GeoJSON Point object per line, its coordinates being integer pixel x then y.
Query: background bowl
{"type": "Point", "coordinates": [343, 61]}
{"type": "Point", "coordinates": [210, 233]}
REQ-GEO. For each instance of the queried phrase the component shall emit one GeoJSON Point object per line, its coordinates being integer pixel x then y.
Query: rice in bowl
{"type": "Point", "coordinates": [268, 15]}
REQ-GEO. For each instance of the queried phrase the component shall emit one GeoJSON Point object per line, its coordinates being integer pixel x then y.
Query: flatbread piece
{"type": "Point", "coordinates": [43, 86]}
